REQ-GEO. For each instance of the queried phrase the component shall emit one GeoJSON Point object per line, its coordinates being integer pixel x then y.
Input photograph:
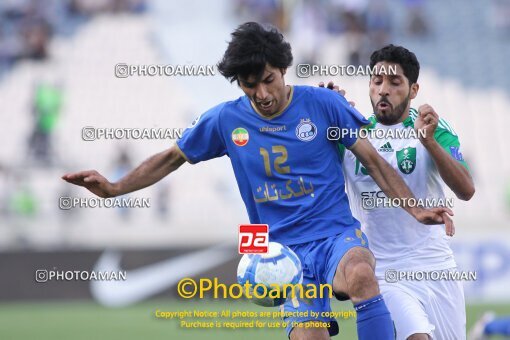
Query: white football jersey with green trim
{"type": "Point", "coordinates": [397, 240]}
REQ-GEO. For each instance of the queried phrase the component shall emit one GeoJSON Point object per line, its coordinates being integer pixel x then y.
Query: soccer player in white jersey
{"type": "Point", "coordinates": [428, 160]}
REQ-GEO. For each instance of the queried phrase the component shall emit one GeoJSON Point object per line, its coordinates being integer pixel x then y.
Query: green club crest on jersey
{"type": "Point", "coordinates": [406, 160]}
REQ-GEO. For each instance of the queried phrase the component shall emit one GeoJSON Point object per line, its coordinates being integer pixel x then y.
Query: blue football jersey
{"type": "Point", "coordinates": [288, 172]}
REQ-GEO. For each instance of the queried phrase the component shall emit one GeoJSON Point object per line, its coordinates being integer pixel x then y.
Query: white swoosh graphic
{"type": "Point", "coordinates": [149, 280]}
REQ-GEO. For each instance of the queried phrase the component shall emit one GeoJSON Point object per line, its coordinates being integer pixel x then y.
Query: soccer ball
{"type": "Point", "coordinates": [280, 266]}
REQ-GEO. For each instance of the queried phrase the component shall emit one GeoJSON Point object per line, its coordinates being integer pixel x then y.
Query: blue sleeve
{"type": "Point", "coordinates": [203, 140]}
{"type": "Point", "coordinates": [347, 118]}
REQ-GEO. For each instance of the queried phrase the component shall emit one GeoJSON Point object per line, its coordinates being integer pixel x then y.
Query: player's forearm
{"type": "Point", "coordinates": [149, 172]}
{"type": "Point", "coordinates": [383, 174]}
{"type": "Point", "coordinates": [391, 183]}
{"type": "Point", "coordinates": [455, 175]}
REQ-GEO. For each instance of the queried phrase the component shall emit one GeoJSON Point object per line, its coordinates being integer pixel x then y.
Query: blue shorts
{"type": "Point", "coordinates": [319, 260]}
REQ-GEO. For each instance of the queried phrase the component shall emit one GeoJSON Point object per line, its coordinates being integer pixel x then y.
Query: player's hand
{"type": "Point", "coordinates": [337, 89]}
{"type": "Point", "coordinates": [448, 224]}
{"type": "Point", "coordinates": [427, 121]}
{"type": "Point", "coordinates": [436, 216]}
{"type": "Point", "coordinates": [93, 181]}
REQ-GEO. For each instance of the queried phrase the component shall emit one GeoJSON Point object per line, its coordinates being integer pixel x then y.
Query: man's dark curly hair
{"type": "Point", "coordinates": [251, 48]}
{"type": "Point", "coordinates": [398, 55]}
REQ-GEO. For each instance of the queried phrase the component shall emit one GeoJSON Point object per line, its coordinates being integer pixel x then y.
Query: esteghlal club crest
{"type": "Point", "coordinates": [306, 130]}
{"type": "Point", "coordinates": [406, 160]}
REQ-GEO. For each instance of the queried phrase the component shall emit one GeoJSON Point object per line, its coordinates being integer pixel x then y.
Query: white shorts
{"type": "Point", "coordinates": [436, 308]}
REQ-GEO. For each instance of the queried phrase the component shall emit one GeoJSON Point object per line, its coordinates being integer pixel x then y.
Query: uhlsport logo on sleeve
{"type": "Point", "coordinates": [240, 136]}
{"type": "Point", "coordinates": [194, 122]}
{"type": "Point", "coordinates": [406, 160]}
{"type": "Point", "coordinates": [253, 238]}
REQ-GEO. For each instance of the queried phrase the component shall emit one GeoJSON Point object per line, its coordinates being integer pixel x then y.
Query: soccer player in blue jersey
{"type": "Point", "coordinates": [289, 175]}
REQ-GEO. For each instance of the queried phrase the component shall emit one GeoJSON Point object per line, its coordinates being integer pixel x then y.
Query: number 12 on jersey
{"type": "Point", "coordinates": [280, 155]}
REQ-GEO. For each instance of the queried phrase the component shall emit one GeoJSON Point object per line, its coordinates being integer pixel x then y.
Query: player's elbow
{"type": "Point", "coordinates": [467, 193]}
{"type": "Point", "coordinates": [173, 158]}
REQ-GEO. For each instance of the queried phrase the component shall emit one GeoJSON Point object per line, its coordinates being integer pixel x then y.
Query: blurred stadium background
{"type": "Point", "coordinates": [57, 61]}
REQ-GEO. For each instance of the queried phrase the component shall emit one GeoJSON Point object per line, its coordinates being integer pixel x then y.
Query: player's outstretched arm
{"type": "Point", "coordinates": [455, 175]}
{"type": "Point", "coordinates": [149, 172]}
{"type": "Point", "coordinates": [394, 186]}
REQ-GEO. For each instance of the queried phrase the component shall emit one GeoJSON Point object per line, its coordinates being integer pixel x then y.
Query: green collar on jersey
{"type": "Point", "coordinates": [408, 122]}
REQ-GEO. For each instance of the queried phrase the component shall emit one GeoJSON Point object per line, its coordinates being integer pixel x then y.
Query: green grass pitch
{"type": "Point", "coordinates": [87, 320]}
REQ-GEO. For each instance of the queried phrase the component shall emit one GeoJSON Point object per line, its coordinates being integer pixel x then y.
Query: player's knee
{"type": "Point", "coordinates": [419, 336]}
{"type": "Point", "coordinates": [355, 275]}
{"type": "Point", "coordinates": [360, 274]}
{"type": "Point", "coordinates": [361, 280]}
{"type": "Point", "coordinates": [298, 333]}
{"type": "Point", "coordinates": [358, 255]}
